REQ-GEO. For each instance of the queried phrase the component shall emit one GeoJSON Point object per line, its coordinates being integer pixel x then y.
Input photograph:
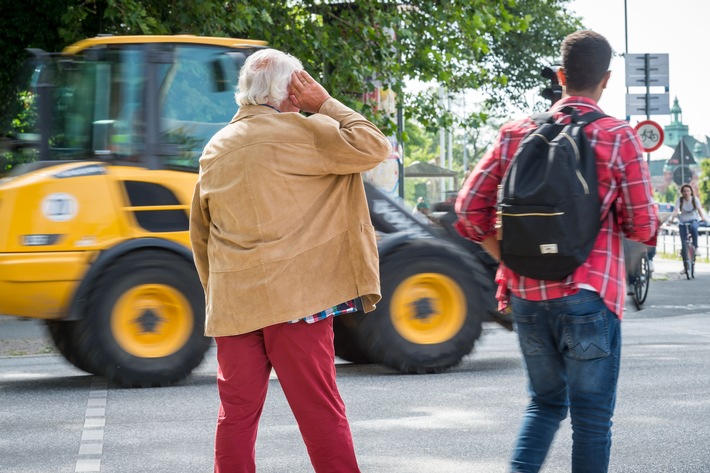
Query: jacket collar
{"type": "Point", "coordinates": [247, 111]}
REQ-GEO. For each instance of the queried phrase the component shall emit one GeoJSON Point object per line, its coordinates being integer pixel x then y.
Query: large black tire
{"type": "Point", "coordinates": [347, 341]}
{"type": "Point", "coordinates": [431, 311]}
{"type": "Point", "coordinates": [145, 320]}
{"type": "Point", "coordinates": [63, 335]}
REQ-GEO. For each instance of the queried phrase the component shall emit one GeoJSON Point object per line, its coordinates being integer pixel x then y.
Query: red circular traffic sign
{"type": "Point", "coordinates": [651, 135]}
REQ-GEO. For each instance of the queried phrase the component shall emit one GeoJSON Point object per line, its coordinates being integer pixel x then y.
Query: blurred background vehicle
{"type": "Point", "coordinates": [664, 211]}
{"type": "Point", "coordinates": [93, 233]}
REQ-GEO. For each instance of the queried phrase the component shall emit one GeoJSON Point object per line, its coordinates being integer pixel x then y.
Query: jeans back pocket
{"type": "Point", "coordinates": [587, 336]}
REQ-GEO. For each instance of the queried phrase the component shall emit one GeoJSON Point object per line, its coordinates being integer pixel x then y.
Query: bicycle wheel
{"type": "Point", "coordinates": [684, 253]}
{"type": "Point", "coordinates": [641, 283]}
{"type": "Point", "coordinates": [691, 260]}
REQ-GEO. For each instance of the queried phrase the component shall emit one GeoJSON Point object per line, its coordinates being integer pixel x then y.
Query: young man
{"type": "Point", "coordinates": [282, 241]}
{"type": "Point", "coordinates": [569, 330]}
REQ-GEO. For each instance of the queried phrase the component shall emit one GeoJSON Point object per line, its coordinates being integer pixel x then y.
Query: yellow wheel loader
{"type": "Point", "coordinates": [93, 233]}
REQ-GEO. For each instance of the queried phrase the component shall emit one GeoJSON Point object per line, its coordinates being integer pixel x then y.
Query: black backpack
{"type": "Point", "coordinates": [548, 206]}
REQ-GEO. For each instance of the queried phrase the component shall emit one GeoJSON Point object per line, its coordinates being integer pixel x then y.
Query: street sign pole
{"type": "Point", "coordinates": [682, 164]}
{"type": "Point", "coordinates": [648, 99]}
{"type": "Point", "coordinates": [648, 86]}
{"type": "Point", "coordinates": [647, 70]}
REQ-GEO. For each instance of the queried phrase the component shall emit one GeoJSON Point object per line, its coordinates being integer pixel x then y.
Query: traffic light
{"type": "Point", "coordinates": [553, 93]}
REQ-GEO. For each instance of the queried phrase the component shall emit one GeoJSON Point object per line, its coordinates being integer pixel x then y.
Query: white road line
{"type": "Point", "coordinates": [92, 437]}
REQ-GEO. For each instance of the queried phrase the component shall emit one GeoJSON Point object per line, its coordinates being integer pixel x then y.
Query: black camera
{"type": "Point", "coordinates": [553, 93]}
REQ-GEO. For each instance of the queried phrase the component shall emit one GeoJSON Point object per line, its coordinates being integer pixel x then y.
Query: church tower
{"type": "Point", "coordinates": [676, 130]}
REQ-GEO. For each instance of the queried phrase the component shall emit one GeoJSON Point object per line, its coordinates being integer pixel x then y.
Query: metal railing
{"type": "Point", "coordinates": [670, 245]}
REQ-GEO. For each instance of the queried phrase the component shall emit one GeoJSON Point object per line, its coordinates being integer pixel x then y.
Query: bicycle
{"type": "Point", "coordinates": [688, 253]}
{"type": "Point", "coordinates": [649, 135]}
{"type": "Point", "coordinates": [638, 271]}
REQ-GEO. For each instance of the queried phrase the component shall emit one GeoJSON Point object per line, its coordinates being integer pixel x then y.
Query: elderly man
{"type": "Point", "coordinates": [283, 242]}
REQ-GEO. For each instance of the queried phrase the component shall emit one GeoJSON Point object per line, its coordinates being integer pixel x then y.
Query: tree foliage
{"type": "Point", "coordinates": [494, 46]}
{"type": "Point", "coordinates": [704, 183]}
{"type": "Point", "coordinates": [669, 195]}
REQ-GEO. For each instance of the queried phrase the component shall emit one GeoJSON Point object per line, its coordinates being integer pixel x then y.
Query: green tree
{"type": "Point", "coordinates": [26, 24]}
{"type": "Point", "coordinates": [704, 183]}
{"type": "Point", "coordinates": [496, 47]}
{"type": "Point", "coordinates": [670, 195]}
{"type": "Point", "coordinates": [423, 145]}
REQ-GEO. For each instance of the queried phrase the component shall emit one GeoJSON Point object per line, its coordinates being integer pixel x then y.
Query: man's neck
{"type": "Point", "coordinates": [595, 94]}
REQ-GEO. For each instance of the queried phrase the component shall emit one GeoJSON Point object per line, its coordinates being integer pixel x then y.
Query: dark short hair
{"type": "Point", "coordinates": [586, 56]}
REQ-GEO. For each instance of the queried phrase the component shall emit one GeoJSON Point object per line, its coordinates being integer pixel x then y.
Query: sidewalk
{"type": "Point", "coordinates": [669, 269]}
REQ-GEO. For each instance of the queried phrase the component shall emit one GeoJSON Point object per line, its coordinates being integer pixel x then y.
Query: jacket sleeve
{"type": "Point", "coordinates": [199, 235]}
{"type": "Point", "coordinates": [349, 143]}
{"type": "Point", "coordinates": [637, 212]}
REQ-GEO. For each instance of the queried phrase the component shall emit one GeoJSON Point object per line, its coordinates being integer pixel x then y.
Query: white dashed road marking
{"type": "Point", "coordinates": [92, 437]}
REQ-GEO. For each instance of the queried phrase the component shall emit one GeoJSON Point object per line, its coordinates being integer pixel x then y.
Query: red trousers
{"type": "Point", "coordinates": [303, 357]}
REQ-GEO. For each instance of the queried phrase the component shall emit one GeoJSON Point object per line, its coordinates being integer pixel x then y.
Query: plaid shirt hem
{"type": "Point", "coordinates": [348, 307]}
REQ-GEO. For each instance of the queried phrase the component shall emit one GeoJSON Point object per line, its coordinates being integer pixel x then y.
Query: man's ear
{"type": "Point", "coordinates": [605, 80]}
{"type": "Point", "coordinates": [561, 78]}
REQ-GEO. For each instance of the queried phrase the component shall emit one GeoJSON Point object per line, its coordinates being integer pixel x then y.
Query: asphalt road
{"type": "Point", "coordinates": [55, 418]}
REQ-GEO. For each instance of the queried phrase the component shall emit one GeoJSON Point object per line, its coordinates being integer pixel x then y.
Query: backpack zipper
{"type": "Point", "coordinates": [533, 214]}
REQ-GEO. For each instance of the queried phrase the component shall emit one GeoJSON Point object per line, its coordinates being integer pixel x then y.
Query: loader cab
{"type": "Point", "coordinates": [151, 101]}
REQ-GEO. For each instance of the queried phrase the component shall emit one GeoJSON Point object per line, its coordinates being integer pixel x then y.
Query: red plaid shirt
{"type": "Point", "coordinates": [624, 182]}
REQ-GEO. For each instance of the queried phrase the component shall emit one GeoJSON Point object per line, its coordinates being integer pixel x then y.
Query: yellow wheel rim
{"type": "Point", "coordinates": [152, 321]}
{"type": "Point", "coordinates": [428, 308]}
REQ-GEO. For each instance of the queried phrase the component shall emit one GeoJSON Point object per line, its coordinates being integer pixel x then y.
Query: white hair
{"type": "Point", "coordinates": [265, 76]}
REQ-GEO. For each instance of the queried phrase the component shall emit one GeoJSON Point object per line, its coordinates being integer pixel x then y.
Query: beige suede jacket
{"type": "Point", "coordinates": [279, 226]}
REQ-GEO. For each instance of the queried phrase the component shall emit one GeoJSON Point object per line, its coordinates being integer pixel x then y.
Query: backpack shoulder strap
{"type": "Point", "coordinates": [541, 118]}
{"type": "Point", "coordinates": [589, 117]}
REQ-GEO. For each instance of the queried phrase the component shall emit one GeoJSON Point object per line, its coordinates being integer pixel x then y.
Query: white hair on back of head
{"type": "Point", "coordinates": [265, 76]}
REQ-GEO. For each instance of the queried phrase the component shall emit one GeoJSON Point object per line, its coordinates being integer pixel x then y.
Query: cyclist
{"type": "Point", "coordinates": [689, 210]}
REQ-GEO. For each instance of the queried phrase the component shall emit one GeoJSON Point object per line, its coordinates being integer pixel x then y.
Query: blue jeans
{"type": "Point", "coordinates": [683, 231]}
{"type": "Point", "coordinates": [571, 347]}
{"type": "Point", "coordinates": [651, 252]}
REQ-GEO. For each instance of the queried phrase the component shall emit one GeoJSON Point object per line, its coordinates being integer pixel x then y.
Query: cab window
{"type": "Point", "coordinates": [197, 100]}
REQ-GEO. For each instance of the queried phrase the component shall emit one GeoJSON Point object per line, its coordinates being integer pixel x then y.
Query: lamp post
{"type": "Point", "coordinates": [626, 32]}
